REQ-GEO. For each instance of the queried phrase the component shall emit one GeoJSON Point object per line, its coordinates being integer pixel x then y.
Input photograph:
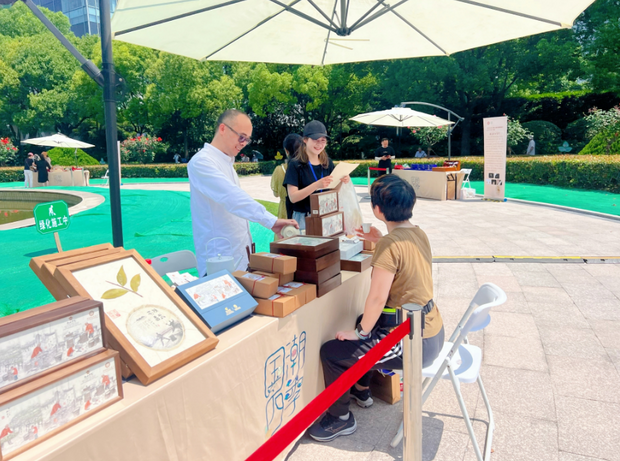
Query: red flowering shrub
{"type": "Point", "coordinates": [141, 149]}
{"type": "Point", "coordinates": [7, 151]}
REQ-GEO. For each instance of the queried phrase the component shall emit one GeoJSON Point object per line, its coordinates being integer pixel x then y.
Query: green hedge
{"type": "Point", "coordinates": [607, 142]}
{"type": "Point", "coordinates": [65, 156]}
{"type": "Point", "coordinates": [593, 172]}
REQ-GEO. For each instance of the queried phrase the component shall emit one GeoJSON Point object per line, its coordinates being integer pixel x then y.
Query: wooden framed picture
{"type": "Point", "coordinates": [322, 203]}
{"type": "Point", "coordinates": [304, 246]}
{"type": "Point", "coordinates": [38, 263]}
{"type": "Point", "coordinates": [44, 339]}
{"type": "Point", "coordinates": [325, 226]}
{"type": "Point", "coordinates": [36, 411]}
{"type": "Point", "coordinates": [152, 328]}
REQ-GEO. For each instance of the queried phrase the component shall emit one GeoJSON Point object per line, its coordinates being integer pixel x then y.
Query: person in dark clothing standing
{"type": "Point", "coordinates": [385, 154]}
{"type": "Point", "coordinates": [42, 170]}
{"type": "Point", "coordinates": [27, 171]}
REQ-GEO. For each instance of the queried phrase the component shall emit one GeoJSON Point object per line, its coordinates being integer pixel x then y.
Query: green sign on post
{"type": "Point", "coordinates": [52, 217]}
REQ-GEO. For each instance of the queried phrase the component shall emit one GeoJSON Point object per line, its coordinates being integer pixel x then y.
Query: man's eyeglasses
{"type": "Point", "coordinates": [242, 138]}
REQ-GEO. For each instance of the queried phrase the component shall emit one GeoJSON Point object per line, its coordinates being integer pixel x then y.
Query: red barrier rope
{"type": "Point", "coordinates": [300, 422]}
{"type": "Point", "coordinates": [377, 169]}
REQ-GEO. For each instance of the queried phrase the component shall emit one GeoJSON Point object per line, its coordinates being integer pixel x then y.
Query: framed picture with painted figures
{"type": "Point", "coordinates": [43, 339]}
{"type": "Point", "coordinates": [153, 329]}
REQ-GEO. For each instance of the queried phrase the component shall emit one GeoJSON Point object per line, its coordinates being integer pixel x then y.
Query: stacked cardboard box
{"type": "Point", "coordinates": [325, 219]}
{"type": "Point", "coordinates": [284, 295]}
{"type": "Point", "coordinates": [318, 260]}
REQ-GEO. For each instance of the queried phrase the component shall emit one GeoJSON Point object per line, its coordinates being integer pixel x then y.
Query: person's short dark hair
{"type": "Point", "coordinates": [291, 143]}
{"type": "Point", "coordinates": [394, 196]}
{"type": "Point", "coordinates": [384, 139]}
{"type": "Point", "coordinates": [228, 116]}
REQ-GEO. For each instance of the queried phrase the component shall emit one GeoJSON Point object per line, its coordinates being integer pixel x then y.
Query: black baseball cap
{"type": "Point", "coordinates": [315, 130]}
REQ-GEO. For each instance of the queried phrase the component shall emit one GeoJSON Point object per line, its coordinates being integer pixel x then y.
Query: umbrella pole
{"type": "Point", "coordinates": [111, 135]}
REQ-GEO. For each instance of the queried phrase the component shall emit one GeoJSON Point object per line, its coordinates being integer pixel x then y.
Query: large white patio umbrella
{"type": "Point", "coordinates": [59, 140]}
{"type": "Point", "coordinates": [333, 31]}
{"type": "Point", "coordinates": [400, 117]}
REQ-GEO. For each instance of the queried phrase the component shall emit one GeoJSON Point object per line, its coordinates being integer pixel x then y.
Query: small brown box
{"type": "Point", "coordinates": [318, 277]}
{"type": "Point", "coordinates": [276, 306]}
{"type": "Point", "coordinates": [303, 292]}
{"type": "Point", "coordinates": [259, 286]}
{"type": "Point", "coordinates": [358, 263]}
{"type": "Point", "coordinates": [304, 246]}
{"type": "Point", "coordinates": [271, 262]}
{"type": "Point", "coordinates": [282, 278]}
{"type": "Point", "coordinates": [326, 287]}
{"type": "Point", "coordinates": [322, 203]}
{"type": "Point", "coordinates": [318, 264]}
{"type": "Point", "coordinates": [386, 387]}
{"type": "Point", "coordinates": [325, 226]}
{"type": "Point", "coordinates": [369, 246]}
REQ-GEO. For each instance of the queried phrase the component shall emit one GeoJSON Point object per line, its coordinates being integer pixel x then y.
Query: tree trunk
{"type": "Point", "coordinates": [185, 143]}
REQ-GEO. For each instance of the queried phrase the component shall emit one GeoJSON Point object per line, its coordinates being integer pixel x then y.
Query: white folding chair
{"type": "Point", "coordinates": [460, 362]}
{"type": "Point", "coordinates": [466, 172]}
{"type": "Point", "coordinates": [106, 177]}
{"type": "Point", "coordinates": [175, 261]}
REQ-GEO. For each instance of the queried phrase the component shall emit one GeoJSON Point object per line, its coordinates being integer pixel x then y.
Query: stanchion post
{"type": "Point", "coordinates": [412, 379]}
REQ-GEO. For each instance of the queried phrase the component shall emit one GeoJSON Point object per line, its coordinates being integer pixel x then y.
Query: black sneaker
{"type": "Point", "coordinates": [329, 427]}
{"type": "Point", "coordinates": [363, 398]}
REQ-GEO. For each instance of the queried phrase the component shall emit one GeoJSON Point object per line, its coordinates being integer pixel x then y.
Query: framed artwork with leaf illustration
{"type": "Point", "coordinates": [152, 328]}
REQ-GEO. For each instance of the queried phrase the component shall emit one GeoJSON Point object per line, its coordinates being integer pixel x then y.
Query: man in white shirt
{"type": "Point", "coordinates": [220, 208]}
{"type": "Point", "coordinates": [420, 153]}
{"type": "Point", "coordinates": [531, 147]}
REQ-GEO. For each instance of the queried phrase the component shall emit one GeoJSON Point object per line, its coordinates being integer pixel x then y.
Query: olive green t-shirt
{"type": "Point", "coordinates": [406, 253]}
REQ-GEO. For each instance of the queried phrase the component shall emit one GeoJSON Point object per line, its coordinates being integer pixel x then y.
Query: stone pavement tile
{"type": "Point", "coordinates": [536, 279]}
{"type": "Point", "coordinates": [596, 309]}
{"type": "Point", "coordinates": [534, 390]}
{"type": "Point", "coordinates": [519, 353]}
{"type": "Point", "coordinates": [310, 450]}
{"type": "Point", "coordinates": [571, 342]}
{"type": "Point", "coordinates": [457, 288]}
{"type": "Point", "coordinates": [589, 428]}
{"type": "Point", "coordinates": [610, 282]}
{"type": "Point", "coordinates": [527, 267]}
{"type": "Point", "coordinates": [509, 284]}
{"type": "Point", "coordinates": [515, 302]}
{"type": "Point", "coordinates": [452, 310]}
{"type": "Point", "coordinates": [539, 294]}
{"type": "Point", "coordinates": [558, 315]}
{"type": "Point", "coordinates": [593, 290]}
{"type": "Point", "coordinates": [607, 332]}
{"type": "Point", "coordinates": [442, 404]}
{"type": "Point", "coordinates": [593, 379]}
{"type": "Point", "coordinates": [495, 269]}
{"type": "Point", "coordinates": [517, 438]}
{"type": "Point", "coordinates": [603, 270]}
{"type": "Point", "coordinates": [572, 457]}
{"type": "Point", "coordinates": [513, 325]}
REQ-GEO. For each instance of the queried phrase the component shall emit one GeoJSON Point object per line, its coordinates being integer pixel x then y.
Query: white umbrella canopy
{"type": "Point", "coordinates": [58, 140]}
{"type": "Point", "coordinates": [400, 117]}
{"type": "Point", "coordinates": [333, 31]}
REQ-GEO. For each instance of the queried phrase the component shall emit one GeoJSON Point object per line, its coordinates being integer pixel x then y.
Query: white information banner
{"type": "Point", "coordinates": [495, 134]}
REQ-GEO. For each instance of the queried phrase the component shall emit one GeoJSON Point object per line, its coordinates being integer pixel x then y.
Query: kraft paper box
{"type": "Point", "coordinates": [259, 286]}
{"type": "Point", "coordinates": [271, 262]}
{"type": "Point", "coordinates": [302, 292]}
{"type": "Point", "coordinates": [282, 278]}
{"type": "Point", "coordinates": [276, 306]}
{"type": "Point", "coordinates": [369, 246]}
{"type": "Point", "coordinates": [386, 386]}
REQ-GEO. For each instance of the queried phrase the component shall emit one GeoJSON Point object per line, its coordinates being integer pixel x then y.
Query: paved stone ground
{"type": "Point", "coordinates": [551, 353]}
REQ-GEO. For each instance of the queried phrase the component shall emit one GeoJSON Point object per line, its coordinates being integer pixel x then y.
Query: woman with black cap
{"type": "Point", "coordinates": [309, 171]}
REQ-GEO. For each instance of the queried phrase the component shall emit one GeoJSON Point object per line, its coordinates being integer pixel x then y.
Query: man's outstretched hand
{"type": "Point", "coordinates": [281, 223]}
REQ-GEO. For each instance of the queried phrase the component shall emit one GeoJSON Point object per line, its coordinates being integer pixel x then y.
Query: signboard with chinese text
{"type": "Point", "coordinates": [495, 138]}
{"type": "Point", "coordinates": [51, 216]}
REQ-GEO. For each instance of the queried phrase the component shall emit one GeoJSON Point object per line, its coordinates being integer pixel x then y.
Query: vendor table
{"type": "Point", "coordinates": [225, 404]}
{"type": "Point", "coordinates": [65, 177]}
{"type": "Point", "coordinates": [438, 185]}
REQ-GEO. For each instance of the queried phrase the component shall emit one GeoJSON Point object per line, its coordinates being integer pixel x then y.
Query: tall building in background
{"type": "Point", "coordinates": [83, 14]}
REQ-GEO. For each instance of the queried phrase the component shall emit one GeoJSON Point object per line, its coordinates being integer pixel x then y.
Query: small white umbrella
{"type": "Point", "coordinates": [59, 140]}
{"type": "Point", "coordinates": [400, 117]}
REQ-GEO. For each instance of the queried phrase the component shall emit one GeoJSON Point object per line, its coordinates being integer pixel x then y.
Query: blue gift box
{"type": "Point", "coordinates": [218, 299]}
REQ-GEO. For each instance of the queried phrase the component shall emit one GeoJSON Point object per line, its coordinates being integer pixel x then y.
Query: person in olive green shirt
{"type": "Point", "coordinates": [291, 144]}
{"type": "Point", "coordinates": [402, 273]}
